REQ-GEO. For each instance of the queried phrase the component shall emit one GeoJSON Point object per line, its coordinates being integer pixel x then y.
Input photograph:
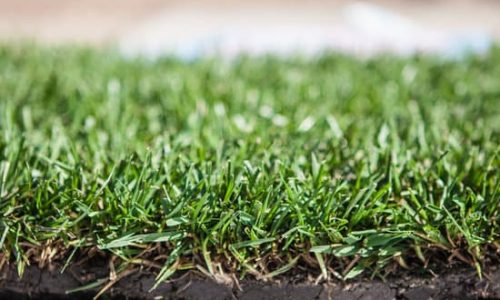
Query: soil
{"type": "Point", "coordinates": [458, 283]}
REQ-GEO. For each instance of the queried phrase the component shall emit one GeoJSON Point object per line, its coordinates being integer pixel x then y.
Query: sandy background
{"type": "Point", "coordinates": [191, 27]}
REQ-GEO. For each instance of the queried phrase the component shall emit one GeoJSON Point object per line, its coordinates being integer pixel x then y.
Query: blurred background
{"type": "Point", "coordinates": [190, 28]}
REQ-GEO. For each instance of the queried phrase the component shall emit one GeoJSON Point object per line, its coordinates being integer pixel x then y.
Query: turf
{"type": "Point", "coordinates": [258, 166]}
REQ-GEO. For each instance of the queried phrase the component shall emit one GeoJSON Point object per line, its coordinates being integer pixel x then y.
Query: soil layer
{"type": "Point", "coordinates": [51, 284]}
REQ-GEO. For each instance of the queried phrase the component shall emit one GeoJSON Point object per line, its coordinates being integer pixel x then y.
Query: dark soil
{"type": "Point", "coordinates": [46, 284]}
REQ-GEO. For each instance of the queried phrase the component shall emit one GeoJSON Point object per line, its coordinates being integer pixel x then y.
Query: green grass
{"type": "Point", "coordinates": [258, 166]}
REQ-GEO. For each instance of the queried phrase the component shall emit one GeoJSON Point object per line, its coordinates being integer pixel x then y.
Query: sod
{"type": "Point", "coordinates": [327, 168]}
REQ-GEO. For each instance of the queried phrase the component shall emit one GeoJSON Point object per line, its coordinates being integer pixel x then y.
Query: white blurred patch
{"type": "Point", "coordinates": [356, 27]}
{"type": "Point", "coordinates": [280, 120]}
{"type": "Point", "coordinates": [307, 124]}
{"type": "Point", "coordinates": [334, 126]}
{"type": "Point", "coordinates": [242, 124]}
{"type": "Point", "coordinates": [219, 109]}
{"type": "Point", "coordinates": [266, 111]}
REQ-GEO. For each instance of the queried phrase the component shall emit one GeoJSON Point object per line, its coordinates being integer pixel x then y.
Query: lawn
{"type": "Point", "coordinates": [258, 166]}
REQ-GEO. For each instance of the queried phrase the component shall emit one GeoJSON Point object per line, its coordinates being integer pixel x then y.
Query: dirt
{"type": "Point", "coordinates": [458, 283]}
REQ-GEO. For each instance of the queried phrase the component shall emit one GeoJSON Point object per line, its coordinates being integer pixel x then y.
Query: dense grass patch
{"type": "Point", "coordinates": [258, 165]}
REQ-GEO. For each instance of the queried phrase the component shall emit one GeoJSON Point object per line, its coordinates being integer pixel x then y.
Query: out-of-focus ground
{"type": "Point", "coordinates": [190, 28]}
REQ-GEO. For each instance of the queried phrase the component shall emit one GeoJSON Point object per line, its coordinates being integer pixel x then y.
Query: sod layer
{"type": "Point", "coordinates": [330, 167]}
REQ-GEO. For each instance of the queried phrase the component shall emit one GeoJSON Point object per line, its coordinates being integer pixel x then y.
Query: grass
{"type": "Point", "coordinates": [257, 167]}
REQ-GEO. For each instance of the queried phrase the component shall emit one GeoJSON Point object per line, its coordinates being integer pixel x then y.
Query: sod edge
{"type": "Point", "coordinates": [260, 167]}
